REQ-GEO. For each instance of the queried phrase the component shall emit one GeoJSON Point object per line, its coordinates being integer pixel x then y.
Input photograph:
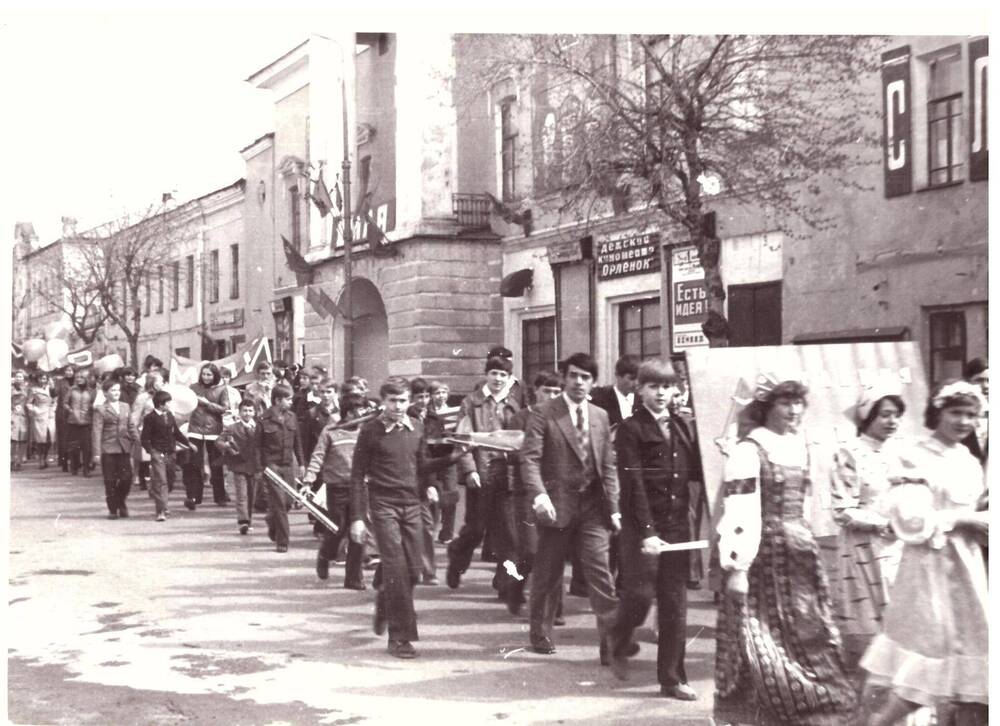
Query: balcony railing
{"type": "Point", "coordinates": [472, 211]}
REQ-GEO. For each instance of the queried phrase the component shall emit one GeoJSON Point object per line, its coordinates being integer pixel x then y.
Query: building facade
{"type": "Point", "coordinates": [905, 259]}
{"type": "Point", "coordinates": [419, 303]}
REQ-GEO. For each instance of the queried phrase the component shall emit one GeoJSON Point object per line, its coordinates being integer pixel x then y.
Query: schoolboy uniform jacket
{"type": "Point", "coordinates": [113, 431]}
{"type": "Point", "coordinates": [479, 413]}
{"type": "Point", "coordinates": [278, 440]}
{"type": "Point", "coordinates": [239, 446]}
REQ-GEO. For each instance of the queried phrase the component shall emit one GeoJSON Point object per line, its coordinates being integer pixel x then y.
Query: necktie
{"type": "Point", "coordinates": [583, 436]}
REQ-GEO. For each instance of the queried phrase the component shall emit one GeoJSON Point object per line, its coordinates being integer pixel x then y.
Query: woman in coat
{"type": "Point", "coordinates": [114, 437]}
{"type": "Point", "coordinates": [204, 429]}
{"type": "Point", "coordinates": [18, 420]}
{"type": "Point", "coordinates": [41, 407]}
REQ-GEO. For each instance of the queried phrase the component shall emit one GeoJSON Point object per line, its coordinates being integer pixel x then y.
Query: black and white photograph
{"type": "Point", "coordinates": [532, 363]}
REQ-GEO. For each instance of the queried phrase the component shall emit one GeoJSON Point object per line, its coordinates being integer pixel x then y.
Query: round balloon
{"type": "Point", "coordinates": [43, 364]}
{"type": "Point", "coordinates": [182, 399]}
{"type": "Point", "coordinates": [33, 349]}
{"type": "Point", "coordinates": [108, 363]}
{"type": "Point", "coordinates": [56, 351]}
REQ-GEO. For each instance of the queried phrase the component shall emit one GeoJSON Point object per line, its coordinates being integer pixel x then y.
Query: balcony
{"type": "Point", "coordinates": [472, 211]}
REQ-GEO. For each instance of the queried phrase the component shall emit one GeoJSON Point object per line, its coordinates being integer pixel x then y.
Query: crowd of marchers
{"type": "Point", "coordinates": [605, 479]}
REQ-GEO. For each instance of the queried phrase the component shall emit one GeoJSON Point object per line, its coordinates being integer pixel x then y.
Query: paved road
{"type": "Point", "coordinates": [138, 622]}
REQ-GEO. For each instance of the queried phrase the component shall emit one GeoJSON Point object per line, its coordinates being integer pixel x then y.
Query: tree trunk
{"type": "Point", "coordinates": [716, 326]}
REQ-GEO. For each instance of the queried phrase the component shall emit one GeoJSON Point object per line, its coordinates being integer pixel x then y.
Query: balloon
{"type": "Point", "coordinates": [108, 363]}
{"type": "Point", "coordinates": [182, 399]}
{"type": "Point", "coordinates": [56, 350]}
{"type": "Point", "coordinates": [43, 364]}
{"type": "Point", "coordinates": [55, 329]}
{"type": "Point", "coordinates": [33, 349]}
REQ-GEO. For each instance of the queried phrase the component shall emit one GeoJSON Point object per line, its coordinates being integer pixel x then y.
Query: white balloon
{"type": "Point", "coordinates": [55, 329]}
{"type": "Point", "coordinates": [33, 349]}
{"type": "Point", "coordinates": [108, 363]}
{"type": "Point", "coordinates": [56, 351]}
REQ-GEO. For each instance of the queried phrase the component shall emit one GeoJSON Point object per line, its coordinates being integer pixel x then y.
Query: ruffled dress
{"type": "Point", "coordinates": [867, 557]}
{"type": "Point", "coordinates": [778, 657]}
{"type": "Point", "coordinates": [934, 645]}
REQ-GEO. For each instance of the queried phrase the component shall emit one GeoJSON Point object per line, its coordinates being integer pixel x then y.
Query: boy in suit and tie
{"type": "Point", "coordinates": [657, 458]}
{"type": "Point", "coordinates": [238, 444]}
{"type": "Point", "coordinates": [159, 436]}
{"type": "Point", "coordinates": [569, 473]}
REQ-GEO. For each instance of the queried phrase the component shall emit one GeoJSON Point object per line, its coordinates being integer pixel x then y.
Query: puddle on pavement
{"type": "Point", "coordinates": [62, 572]}
{"type": "Point", "coordinates": [201, 666]}
{"type": "Point", "coordinates": [113, 663]}
{"type": "Point", "coordinates": [105, 604]}
{"type": "Point", "coordinates": [18, 599]}
{"type": "Point", "coordinates": [157, 633]}
{"type": "Point", "coordinates": [112, 623]}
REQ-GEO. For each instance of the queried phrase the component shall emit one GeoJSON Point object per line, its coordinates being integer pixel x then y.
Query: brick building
{"type": "Point", "coordinates": [905, 260]}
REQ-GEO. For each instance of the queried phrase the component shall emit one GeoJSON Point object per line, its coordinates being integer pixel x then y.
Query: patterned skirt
{"type": "Point", "coordinates": [778, 657]}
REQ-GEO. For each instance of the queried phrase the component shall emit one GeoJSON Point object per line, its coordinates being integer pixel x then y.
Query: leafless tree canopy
{"type": "Point", "coordinates": [660, 120]}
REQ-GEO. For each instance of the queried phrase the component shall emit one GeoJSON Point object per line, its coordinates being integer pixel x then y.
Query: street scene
{"type": "Point", "coordinates": [526, 377]}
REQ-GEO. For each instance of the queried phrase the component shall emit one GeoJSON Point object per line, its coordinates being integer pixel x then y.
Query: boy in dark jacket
{"type": "Point", "coordinates": [159, 436]}
{"type": "Point", "coordinates": [238, 444]}
{"type": "Point", "coordinates": [279, 446]}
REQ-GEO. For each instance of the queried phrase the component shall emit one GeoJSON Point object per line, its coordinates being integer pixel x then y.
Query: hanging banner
{"type": "Point", "coordinates": [688, 299]}
{"type": "Point", "coordinates": [897, 146]}
{"type": "Point", "coordinates": [242, 364]}
{"type": "Point", "coordinates": [979, 146]}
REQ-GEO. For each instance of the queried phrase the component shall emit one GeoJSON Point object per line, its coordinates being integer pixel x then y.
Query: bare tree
{"type": "Point", "coordinates": [665, 121]}
{"type": "Point", "coordinates": [66, 280]}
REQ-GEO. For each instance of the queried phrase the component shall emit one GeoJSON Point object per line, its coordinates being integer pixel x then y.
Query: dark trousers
{"type": "Point", "coordinates": [117, 471]}
{"type": "Point", "coordinates": [78, 446]}
{"type": "Point", "coordinates": [483, 508]}
{"type": "Point", "coordinates": [589, 536]}
{"type": "Point", "coordinates": [278, 504]}
{"type": "Point", "coordinates": [162, 467]}
{"type": "Point", "coordinates": [194, 474]}
{"type": "Point", "coordinates": [398, 530]}
{"type": "Point", "coordinates": [338, 506]}
{"type": "Point", "coordinates": [61, 438]}
{"type": "Point", "coordinates": [664, 577]}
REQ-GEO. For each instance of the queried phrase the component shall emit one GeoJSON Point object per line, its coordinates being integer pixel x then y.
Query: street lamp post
{"type": "Point", "coordinates": [348, 309]}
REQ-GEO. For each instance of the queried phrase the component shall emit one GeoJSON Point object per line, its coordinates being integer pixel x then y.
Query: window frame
{"type": "Point", "coordinates": [213, 276]}
{"type": "Point", "coordinates": [953, 102]}
{"type": "Point", "coordinates": [295, 219]}
{"type": "Point", "coordinates": [189, 288]}
{"type": "Point", "coordinates": [932, 349]}
{"type": "Point", "coordinates": [644, 303]}
{"type": "Point", "coordinates": [508, 149]}
{"type": "Point", "coordinates": [528, 370]}
{"type": "Point", "coordinates": [159, 304]}
{"type": "Point", "coordinates": [234, 271]}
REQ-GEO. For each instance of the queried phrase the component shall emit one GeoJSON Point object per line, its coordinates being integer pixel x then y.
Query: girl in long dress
{"type": "Point", "coordinates": [41, 406]}
{"type": "Point", "coordinates": [868, 550]}
{"type": "Point", "coordinates": [933, 648]}
{"type": "Point", "coordinates": [777, 649]}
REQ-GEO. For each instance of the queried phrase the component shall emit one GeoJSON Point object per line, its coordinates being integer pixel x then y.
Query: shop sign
{"type": "Point", "coordinates": [628, 254]}
{"type": "Point", "coordinates": [570, 250]}
{"type": "Point", "coordinates": [227, 319]}
{"type": "Point", "coordinates": [689, 301]}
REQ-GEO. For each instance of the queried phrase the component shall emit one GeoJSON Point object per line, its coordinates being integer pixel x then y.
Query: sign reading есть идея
{"type": "Point", "coordinates": [631, 254]}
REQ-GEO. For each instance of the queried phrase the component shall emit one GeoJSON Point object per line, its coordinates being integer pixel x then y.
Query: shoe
{"type": "Point", "coordinates": [542, 645]}
{"type": "Point", "coordinates": [515, 598]}
{"type": "Point", "coordinates": [379, 619]}
{"type": "Point", "coordinates": [445, 540]}
{"type": "Point", "coordinates": [281, 548]}
{"type": "Point", "coordinates": [372, 562]}
{"type": "Point", "coordinates": [166, 513]}
{"type": "Point", "coordinates": [694, 584]}
{"type": "Point", "coordinates": [611, 656]}
{"type": "Point", "coordinates": [123, 512]}
{"type": "Point", "coordinates": [402, 649]}
{"type": "Point", "coordinates": [559, 620]}
{"type": "Point", "coordinates": [112, 515]}
{"type": "Point", "coordinates": [322, 567]}
{"type": "Point", "coordinates": [631, 651]}
{"type": "Point", "coordinates": [453, 577]}
{"type": "Point", "coordinates": [682, 692]}
{"type": "Point", "coordinates": [189, 503]}
{"type": "Point", "coordinates": [161, 517]}
{"type": "Point", "coordinates": [244, 528]}
{"type": "Point", "coordinates": [355, 586]}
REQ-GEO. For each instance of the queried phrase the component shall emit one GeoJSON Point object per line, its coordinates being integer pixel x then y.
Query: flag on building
{"type": "Point", "coordinates": [327, 302]}
{"type": "Point", "coordinates": [340, 199]}
{"type": "Point", "coordinates": [321, 196]}
{"type": "Point", "coordinates": [297, 263]}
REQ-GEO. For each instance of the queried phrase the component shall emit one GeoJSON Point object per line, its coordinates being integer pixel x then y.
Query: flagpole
{"type": "Point", "coordinates": [348, 313]}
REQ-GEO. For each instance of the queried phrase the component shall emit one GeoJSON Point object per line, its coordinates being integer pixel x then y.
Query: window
{"type": "Point", "coordinates": [538, 348]}
{"type": "Point", "coordinates": [508, 145]}
{"type": "Point", "coordinates": [183, 352]}
{"type": "Point", "coordinates": [755, 314]}
{"type": "Point", "coordinates": [213, 276]}
{"type": "Point", "coordinates": [189, 298]}
{"type": "Point", "coordinates": [947, 336]}
{"type": "Point", "coordinates": [236, 341]}
{"type": "Point", "coordinates": [149, 293]}
{"type": "Point", "coordinates": [175, 300]}
{"type": "Point", "coordinates": [296, 217]}
{"type": "Point", "coordinates": [944, 119]}
{"type": "Point", "coordinates": [159, 304]}
{"type": "Point", "coordinates": [234, 271]}
{"type": "Point", "coordinates": [220, 349]}
{"type": "Point", "coordinates": [639, 328]}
